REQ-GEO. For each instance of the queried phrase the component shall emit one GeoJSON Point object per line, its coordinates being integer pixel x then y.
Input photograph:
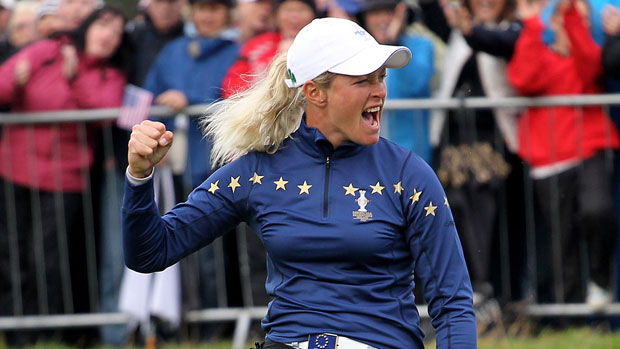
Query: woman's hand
{"type": "Point", "coordinates": [529, 8]}
{"type": "Point", "coordinates": [611, 20]}
{"type": "Point", "coordinates": [69, 61]}
{"type": "Point", "coordinates": [458, 16]}
{"type": "Point", "coordinates": [174, 99]}
{"type": "Point", "coordinates": [22, 73]}
{"type": "Point", "coordinates": [148, 144]}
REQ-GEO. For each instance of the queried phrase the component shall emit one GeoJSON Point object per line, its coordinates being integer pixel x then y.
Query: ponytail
{"type": "Point", "coordinates": [258, 119]}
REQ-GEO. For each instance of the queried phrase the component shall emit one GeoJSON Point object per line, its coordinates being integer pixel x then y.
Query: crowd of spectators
{"type": "Point", "coordinates": [79, 54]}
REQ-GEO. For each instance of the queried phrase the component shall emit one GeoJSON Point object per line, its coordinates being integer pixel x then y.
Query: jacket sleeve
{"type": "Point", "coordinates": [99, 88]}
{"type": "Point", "coordinates": [527, 68]}
{"type": "Point", "coordinates": [584, 49]}
{"type": "Point", "coordinates": [152, 242]}
{"type": "Point", "coordinates": [498, 42]}
{"type": "Point", "coordinates": [611, 56]}
{"type": "Point", "coordinates": [438, 257]}
{"type": "Point", "coordinates": [153, 82]}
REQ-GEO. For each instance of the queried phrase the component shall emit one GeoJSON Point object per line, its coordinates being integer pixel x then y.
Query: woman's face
{"type": "Point", "coordinates": [378, 23]}
{"type": "Point", "coordinates": [354, 108]}
{"type": "Point", "coordinates": [104, 36]}
{"type": "Point", "coordinates": [291, 16]}
{"type": "Point", "coordinates": [210, 18]}
{"type": "Point", "coordinates": [487, 10]}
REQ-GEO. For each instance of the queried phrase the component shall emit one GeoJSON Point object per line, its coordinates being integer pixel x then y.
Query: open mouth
{"type": "Point", "coordinates": [371, 116]}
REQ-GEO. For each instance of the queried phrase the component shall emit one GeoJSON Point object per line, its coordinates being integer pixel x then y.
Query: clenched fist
{"type": "Point", "coordinates": [148, 144]}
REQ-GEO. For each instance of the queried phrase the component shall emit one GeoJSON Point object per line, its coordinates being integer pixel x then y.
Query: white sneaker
{"type": "Point", "coordinates": [598, 297]}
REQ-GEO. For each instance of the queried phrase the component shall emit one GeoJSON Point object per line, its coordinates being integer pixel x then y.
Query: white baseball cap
{"type": "Point", "coordinates": [338, 46]}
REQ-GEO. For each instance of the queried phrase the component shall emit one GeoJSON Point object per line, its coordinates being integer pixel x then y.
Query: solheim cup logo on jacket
{"type": "Point", "coordinates": [362, 214]}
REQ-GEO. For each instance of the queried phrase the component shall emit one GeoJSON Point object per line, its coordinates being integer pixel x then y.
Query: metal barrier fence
{"type": "Point", "coordinates": [249, 311]}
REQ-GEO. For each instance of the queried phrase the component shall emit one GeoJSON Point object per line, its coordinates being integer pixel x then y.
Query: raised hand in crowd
{"type": "Point", "coordinates": [457, 16]}
{"type": "Point", "coordinates": [22, 73]}
{"type": "Point", "coordinates": [174, 99]}
{"type": "Point", "coordinates": [148, 144]}
{"type": "Point", "coordinates": [529, 8]}
{"type": "Point", "coordinates": [70, 61]}
{"type": "Point", "coordinates": [611, 20]}
{"type": "Point", "coordinates": [397, 23]}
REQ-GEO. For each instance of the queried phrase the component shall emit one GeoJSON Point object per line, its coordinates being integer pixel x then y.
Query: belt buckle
{"type": "Point", "coordinates": [322, 341]}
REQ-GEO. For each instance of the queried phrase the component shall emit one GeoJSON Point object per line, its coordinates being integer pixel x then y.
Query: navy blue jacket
{"type": "Point", "coordinates": [345, 231]}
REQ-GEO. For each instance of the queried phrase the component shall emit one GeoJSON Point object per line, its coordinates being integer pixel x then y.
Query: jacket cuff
{"type": "Point", "coordinates": [138, 181]}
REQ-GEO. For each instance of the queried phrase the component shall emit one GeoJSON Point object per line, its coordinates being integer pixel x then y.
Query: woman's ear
{"type": "Point", "coordinates": [314, 94]}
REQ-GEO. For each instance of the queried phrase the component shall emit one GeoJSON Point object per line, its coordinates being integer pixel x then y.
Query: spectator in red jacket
{"type": "Point", "coordinates": [257, 53]}
{"type": "Point", "coordinates": [566, 147]}
{"type": "Point", "coordinates": [45, 167]}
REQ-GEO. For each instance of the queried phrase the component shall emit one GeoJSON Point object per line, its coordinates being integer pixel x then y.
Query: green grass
{"type": "Point", "coordinates": [577, 338]}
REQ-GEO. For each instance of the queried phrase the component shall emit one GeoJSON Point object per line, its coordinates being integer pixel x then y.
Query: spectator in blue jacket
{"type": "Point", "coordinates": [189, 71]}
{"type": "Point", "coordinates": [347, 217]}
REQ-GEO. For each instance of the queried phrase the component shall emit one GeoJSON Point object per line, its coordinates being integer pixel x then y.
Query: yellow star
{"type": "Point", "coordinates": [415, 197]}
{"type": "Point", "coordinates": [430, 209]}
{"type": "Point", "coordinates": [214, 187]}
{"type": "Point", "coordinates": [377, 188]}
{"type": "Point", "coordinates": [256, 179]}
{"type": "Point", "coordinates": [398, 188]}
{"type": "Point", "coordinates": [445, 201]}
{"type": "Point", "coordinates": [234, 183]}
{"type": "Point", "coordinates": [350, 190]}
{"type": "Point", "coordinates": [281, 184]}
{"type": "Point", "coordinates": [304, 188]}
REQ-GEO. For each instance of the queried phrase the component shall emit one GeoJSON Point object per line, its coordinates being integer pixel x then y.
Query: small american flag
{"type": "Point", "coordinates": [136, 107]}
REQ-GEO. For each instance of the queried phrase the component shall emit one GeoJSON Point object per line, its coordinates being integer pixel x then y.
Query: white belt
{"type": "Point", "coordinates": [326, 340]}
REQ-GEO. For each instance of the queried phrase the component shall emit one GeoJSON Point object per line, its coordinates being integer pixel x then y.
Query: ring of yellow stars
{"type": "Point", "coordinates": [304, 188]}
{"type": "Point", "coordinates": [234, 183]}
{"type": "Point", "coordinates": [416, 196]}
{"type": "Point", "coordinates": [377, 188]}
{"type": "Point", "coordinates": [430, 209]}
{"type": "Point", "coordinates": [350, 190]}
{"type": "Point", "coordinates": [398, 188]}
{"type": "Point", "coordinates": [280, 184]}
{"type": "Point", "coordinates": [256, 179]}
{"type": "Point", "coordinates": [445, 201]}
{"type": "Point", "coordinates": [214, 187]}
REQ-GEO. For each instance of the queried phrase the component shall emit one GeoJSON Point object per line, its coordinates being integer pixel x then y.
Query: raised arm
{"type": "Point", "coordinates": [587, 53]}
{"type": "Point", "coordinates": [151, 242]}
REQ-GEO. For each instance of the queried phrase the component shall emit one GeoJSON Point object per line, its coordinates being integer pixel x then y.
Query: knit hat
{"type": "Point", "coordinates": [338, 46]}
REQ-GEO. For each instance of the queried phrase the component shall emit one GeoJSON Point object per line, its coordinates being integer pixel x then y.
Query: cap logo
{"type": "Point", "coordinates": [291, 76]}
{"type": "Point", "coordinates": [360, 32]}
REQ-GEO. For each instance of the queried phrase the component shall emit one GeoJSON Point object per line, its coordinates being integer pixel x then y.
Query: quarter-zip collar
{"type": "Point", "coordinates": [316, 144]}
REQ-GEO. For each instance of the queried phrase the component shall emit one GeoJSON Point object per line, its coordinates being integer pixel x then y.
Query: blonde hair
{"type": "Point", "coordinates": [258, 119]}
